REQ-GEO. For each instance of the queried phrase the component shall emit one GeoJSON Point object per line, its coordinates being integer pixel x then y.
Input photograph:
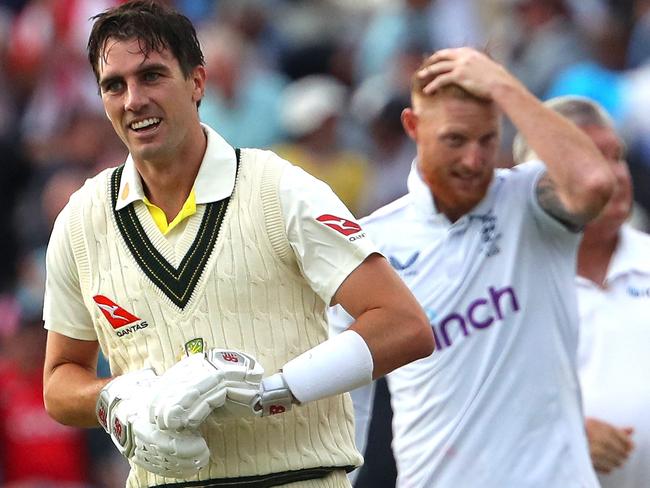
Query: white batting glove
{"type": "Point", "coordinates": [274, 396]}
{"type": "Point", "coordinates": [187, 393]}
{"type": "Point", "coordinates": [122, 410]}
{"type": "Point", "coordinates": [242, 376]}
{"type": "Point", "coordinates": [246, 392]}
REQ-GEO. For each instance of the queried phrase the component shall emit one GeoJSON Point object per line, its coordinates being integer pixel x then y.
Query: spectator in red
{"type": "Point", "coordinates": [36, 450]}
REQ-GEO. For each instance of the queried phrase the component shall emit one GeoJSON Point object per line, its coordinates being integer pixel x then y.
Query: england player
{"type": "Point", "coordinates": [490, 255]}
{"type": "Point", "coordinates": [613, 285]}
{"type": "Point", "coordinates": [201, 270]}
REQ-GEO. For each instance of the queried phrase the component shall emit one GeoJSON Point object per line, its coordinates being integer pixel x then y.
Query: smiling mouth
{"type": "Point", "coordinates": [142, 125]}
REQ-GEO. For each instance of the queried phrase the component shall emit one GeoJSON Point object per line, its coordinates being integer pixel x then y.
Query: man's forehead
{"type": "Point", "coordinates": [135, 48]}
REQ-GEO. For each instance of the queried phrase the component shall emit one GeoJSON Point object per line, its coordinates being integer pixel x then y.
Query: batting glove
{"type": "Point", "coordinates": [122, 410]}
{"type": "Point", "coordinates": [246, 392]}
{"type": "Point", "coordinates": [188, 392]}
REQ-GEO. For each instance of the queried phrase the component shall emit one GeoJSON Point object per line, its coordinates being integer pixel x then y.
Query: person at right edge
{"type": "Point", "coordinates": [490, 254]}
{"type": "Point", "coordinates": [614, 303]}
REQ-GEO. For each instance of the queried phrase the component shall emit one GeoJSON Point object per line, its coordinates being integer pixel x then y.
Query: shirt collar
{"type": "Point", "coordinates": [420, 193]}
{"type": "Point", "coordinates": [425, 205]}
{"type": "Point", "coordinates": [631, 254]}
{"type": "Point", "coordinates": [215, 180]}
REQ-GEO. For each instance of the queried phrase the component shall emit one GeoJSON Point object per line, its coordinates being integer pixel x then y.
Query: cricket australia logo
{"type": "Point", "coordinates": [195, 346]}
{"type": "Point", "coordinates": [123, 322]}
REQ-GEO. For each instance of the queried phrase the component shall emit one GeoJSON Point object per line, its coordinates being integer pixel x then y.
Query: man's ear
{"type": "Point", "coordinates": [410, 122]}
{"type": "Point", "coordinates": [199, 76]}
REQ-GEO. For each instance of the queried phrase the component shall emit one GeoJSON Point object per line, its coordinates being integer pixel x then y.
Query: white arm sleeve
{"type": "Point", "coordinates": [336, 366]}
{"type": "Point", "coordinates": [362, 397]}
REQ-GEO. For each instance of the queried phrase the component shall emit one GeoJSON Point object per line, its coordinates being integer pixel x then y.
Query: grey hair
{"type": "Point", "coordinates": [582, 111]}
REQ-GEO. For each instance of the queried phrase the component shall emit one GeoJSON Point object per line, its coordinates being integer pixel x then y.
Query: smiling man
{"type": "Point", "coordinates": [490, 255]}
{"type": "Point", "coordinates": [203, 273]}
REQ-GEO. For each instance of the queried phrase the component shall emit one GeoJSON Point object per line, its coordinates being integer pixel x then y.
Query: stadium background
{"type": "Point", "coordinates": [322, 82]}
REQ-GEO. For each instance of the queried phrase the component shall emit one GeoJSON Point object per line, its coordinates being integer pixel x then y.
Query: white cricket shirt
{"type": "Point", "coordinates": [497, 405]}
{"type": "Point", "coordinates": [614, 352]}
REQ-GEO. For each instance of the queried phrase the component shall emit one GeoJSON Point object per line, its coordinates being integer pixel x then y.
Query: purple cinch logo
{"type": "Point", "coordinates": [480, 314]}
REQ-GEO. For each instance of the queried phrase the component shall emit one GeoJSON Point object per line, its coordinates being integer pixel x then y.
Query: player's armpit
{"type": "Point", "coordinates": [550, 201]}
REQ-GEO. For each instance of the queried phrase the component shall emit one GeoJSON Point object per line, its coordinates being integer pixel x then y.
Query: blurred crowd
{"type": "Point", "coordinates": [321, 82]}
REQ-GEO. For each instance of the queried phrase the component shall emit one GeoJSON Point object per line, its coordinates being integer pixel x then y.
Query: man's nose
{"type": "Point", "coordinates": [135, 97]}
{"type": "Point", "coordinates": [472, 158]}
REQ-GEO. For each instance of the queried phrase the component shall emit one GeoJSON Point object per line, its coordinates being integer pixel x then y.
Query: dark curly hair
{"type": "Point", "coordinates": [156, 26]}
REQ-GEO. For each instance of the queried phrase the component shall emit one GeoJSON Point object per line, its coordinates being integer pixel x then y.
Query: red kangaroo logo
{"type": "Point", "coordinates": [116, 315]}
{"type": "Point", "coordinates": [339, 224]}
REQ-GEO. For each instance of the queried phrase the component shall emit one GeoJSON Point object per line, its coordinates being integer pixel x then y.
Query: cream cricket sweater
{"type": "Point", "coordinates": [238, 286]}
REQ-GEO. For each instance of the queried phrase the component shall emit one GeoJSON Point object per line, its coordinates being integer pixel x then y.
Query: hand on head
{"type": "Point", "coordinates": [466, 67]}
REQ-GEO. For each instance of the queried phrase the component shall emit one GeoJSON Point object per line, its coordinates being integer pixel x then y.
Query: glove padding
{"type": "Point", "coordinates": [187, 393]}
{"type": "Point", "coordinates": [122, 410]}
{"type": "Point", "coordinates": [246, 392]}
{"type": "Point", "coordinates": [274, 396]}
{"type": "Point", "coordinates": [242, 377]}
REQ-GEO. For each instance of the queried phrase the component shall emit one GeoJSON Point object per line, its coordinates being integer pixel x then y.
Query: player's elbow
{"type": "Point", "coordinates": [420, 336]}
{"type": "Point", "coordinates": [594, 192]}
{"type": "Point", "coordinates": [56, 405]}
{"type": "Point", "coordinates": [52, 406]}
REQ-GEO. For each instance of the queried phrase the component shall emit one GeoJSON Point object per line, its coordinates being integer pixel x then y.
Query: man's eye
{"type": "Point", "coordinates": [151, 76]}
{"type": "Point", "coordinates": [113, 87]}
{"type": "Point", "coordinates": [455, 140]}
{"type": "Point", "coordinates": [489, 139]}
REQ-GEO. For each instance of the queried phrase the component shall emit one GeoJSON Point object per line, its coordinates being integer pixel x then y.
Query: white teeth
{"type": "Point", "coordinates": [145, 123]}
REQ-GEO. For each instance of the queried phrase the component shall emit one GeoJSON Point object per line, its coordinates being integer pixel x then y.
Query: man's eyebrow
{"type": "Point", "coordinates": [103, 83]}
{"type": "Point", "coordinates": [143, 68]}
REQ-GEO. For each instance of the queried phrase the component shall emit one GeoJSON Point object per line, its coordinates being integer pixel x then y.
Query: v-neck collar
{"type": "Point", "coordinates": [177, 283]}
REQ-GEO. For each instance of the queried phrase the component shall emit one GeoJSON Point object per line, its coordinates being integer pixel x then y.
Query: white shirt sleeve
{"type": "Point", "coordinates": [325, 237]}
{"type": "Point", "coordinates": [64, 310]}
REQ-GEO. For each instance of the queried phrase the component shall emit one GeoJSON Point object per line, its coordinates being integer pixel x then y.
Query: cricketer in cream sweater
{"type": "Point", "coordinates": [246, 291]}
{"type": "Point", "coordinates": [203, 272]}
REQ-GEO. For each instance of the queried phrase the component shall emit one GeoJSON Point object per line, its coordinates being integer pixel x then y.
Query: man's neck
{"type": "Point", "coordinates": [594, 256]}
{"type": "Point", "coordinates": [168, 184]}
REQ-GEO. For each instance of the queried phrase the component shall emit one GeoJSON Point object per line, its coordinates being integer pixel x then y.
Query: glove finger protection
{"type": "Point", "coordinates": [118, 403]}
{"type": "Point", "coordinates": [122, 409]}
{"type": "Point", "coordinates": [242, 377]}
{"type": "Point", "coordinates": [168, 453]}
{"type": "Point", "coordinates": [274, 397]}
{"type": "Point", "coordinates": [187, 393]}
{"type": "Point", "coordinates": [247, 392]}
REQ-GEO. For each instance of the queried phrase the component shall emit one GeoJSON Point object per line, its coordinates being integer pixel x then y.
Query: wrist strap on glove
{"type": "Point", "coordinates": [275, 396]}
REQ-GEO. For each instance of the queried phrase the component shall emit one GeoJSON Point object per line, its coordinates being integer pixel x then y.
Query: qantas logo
{"type": "Point", "coordinates": [339, 224]}
{"type": "Point", "coordinates": [118, 317]}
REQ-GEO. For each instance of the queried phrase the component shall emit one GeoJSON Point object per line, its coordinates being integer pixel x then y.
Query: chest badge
{"type": "Point", "coordinates": [122, 321]}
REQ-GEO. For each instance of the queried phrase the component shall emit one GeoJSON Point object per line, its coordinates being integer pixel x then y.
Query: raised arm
{"type": "Point", "coordinates": [578, 182]}
{"type": "Point", "coordinates": [387, 315]}
{"type": "Point", "coordinates": [70, 383]}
